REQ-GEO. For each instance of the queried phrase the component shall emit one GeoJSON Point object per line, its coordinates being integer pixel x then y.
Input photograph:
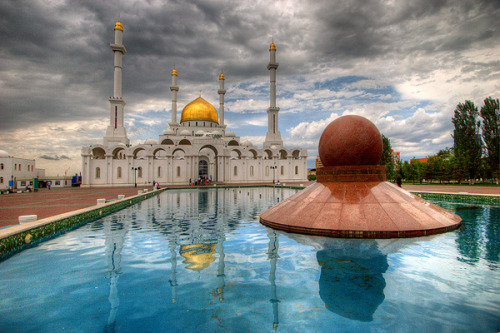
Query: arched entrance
{"type": "Point", "coordinates": [203, 168]}
{"type": "Point", "coordinates": [207, 165]}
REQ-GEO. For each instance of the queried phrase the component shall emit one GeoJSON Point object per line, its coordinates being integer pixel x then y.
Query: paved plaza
{"type": "Point", "coordinates": [46, 203]}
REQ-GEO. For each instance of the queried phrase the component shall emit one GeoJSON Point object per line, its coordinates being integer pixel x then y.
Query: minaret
{"type": "Point", "coordinates": [174, 89]}
{"type": "Point", "coordinates": [221, 92]}
{"type": "Point", "coordinates": [116, 132]}
{"type": "Point", "coordinates": [273, 136]}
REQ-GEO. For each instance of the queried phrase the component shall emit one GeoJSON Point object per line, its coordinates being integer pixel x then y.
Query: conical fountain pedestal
{"type": "Point", "coordinates": [355, 201]}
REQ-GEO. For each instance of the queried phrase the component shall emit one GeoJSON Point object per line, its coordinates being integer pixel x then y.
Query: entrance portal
{"type": "Point", "coordinates": [203, 169]}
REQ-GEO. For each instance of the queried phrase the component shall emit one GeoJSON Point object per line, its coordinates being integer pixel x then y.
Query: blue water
{"type": "Point", "coordinates": [199, 261]}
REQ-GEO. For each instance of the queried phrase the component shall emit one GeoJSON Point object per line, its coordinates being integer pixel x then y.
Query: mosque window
{"type": "Point", "coordinates": [274, 123]}
{"type": "Point", "coordinates": [1, 180]}
{"type": "Point", "coordinates": [251, 170]}
{"type": "Point", "coordinates": [119, 172]}
{"type": "Point", "coordinates": [296, 169]}
{"type": "Point", "coordinates": [282, 170]}
{"type": "Point", "coordinates": [178, 171]}
{"type": "Point", "coordinates": [196, 123]}
{"type": "Point", "coordinates": [19, 167]}
{"type": "Point", "coordinates": [159, 171]}
{"type": "Point", "coordinates": [235, 170]}
{"type": "Point", "coordinates": [139, 172]}
{"type": "Point", "coordinates": [116, 115]}
{"type": "Point", "coordinates": [15, 166]}
{"type": "Point", "coordinates": [1, 166]}
{"type": "Point", "coordinates": [97, 173]}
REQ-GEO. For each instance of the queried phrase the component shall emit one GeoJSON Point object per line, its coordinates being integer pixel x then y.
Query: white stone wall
{"type": "Point", "coordinates": [179, 163]}
{"type": "Point", "coordinates": [12, 168]}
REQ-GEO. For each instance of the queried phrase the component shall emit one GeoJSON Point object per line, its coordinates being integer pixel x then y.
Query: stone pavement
{"type": "Point", "coordinates": [466, 189]}
{"type": "Point", "coordinates": [45, 203]}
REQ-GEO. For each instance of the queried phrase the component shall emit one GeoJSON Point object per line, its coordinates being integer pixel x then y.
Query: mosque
{"type": "Point", "coordinates": [196, 147]}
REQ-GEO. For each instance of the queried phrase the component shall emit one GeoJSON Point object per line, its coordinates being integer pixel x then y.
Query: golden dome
{"type": "Point", "coordinates": [199, 110]}
{"type": "Point", "coordinates": [272, 47]}
{"type": "Point", "coordinates": [174, 72]}
{"type": "Point", "coordinates": [221, 76]}
{"type": "Point", "coordinates": [198, 256]}
{"type": "Point", "coordinates": [118, 26]}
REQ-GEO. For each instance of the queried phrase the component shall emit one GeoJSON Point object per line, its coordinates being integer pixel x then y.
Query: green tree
{"type": "Point", "coordinates": [405, 170]}
{"type": "Point", "coordinates": [387, 158]}
{"type": "Point", "coordinates": [399, 169]}
{"type": "Point", "coordinates": [447, 164]}
{"type": "Point", "coordinates": [467, 138]}
{"type": "Point", "coordinates": [413, 170]}
{"type": "Point", "coordinates": [433, 168]}
{"type": "Point", "coordinates": [490, 113]}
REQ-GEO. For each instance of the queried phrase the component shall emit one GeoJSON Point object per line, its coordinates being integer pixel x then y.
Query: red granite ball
{"type": "Point", "coordinates": [350, 140]}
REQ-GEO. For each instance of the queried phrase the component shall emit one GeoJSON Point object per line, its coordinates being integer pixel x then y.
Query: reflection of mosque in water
{"type": "Point", "coordinates": [196, 223]}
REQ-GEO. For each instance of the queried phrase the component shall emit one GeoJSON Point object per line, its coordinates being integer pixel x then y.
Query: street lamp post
{"type": "Point", "coordinates": [135, 176]}
{"type": "Point", "coordinates": [274, 170]}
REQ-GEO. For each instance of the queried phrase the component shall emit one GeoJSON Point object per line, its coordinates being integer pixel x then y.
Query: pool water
{"type": "Point", "coordinates": [196, 261]}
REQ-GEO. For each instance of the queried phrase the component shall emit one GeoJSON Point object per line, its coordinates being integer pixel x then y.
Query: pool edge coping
{"type": "Point", "coordinates": [19, 237]}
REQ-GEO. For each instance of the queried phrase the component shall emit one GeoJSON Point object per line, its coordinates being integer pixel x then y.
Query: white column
{"type": "Point", "coordinates": [174, 89]}
{"type": "Point", "coordinates": [221, 92]}
{"type": "Point", "coordinates": [116, 132]}
{"type": "Point", "coordinates": [109, 169]}
{"type": "Point", "coordinates": [151, 171]}
{"type": "Point", "coordinates": [273, 136]}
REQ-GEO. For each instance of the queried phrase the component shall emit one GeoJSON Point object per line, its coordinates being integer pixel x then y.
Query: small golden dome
{"type": "Point", "coordinates": [118, 26]}
{"type": "Point", "coordinates": [221, 76]}
{"type": "Point", "coordinates": [174, 72]}
{"type": "Point", "coordinates": [272, 47]}
{"type": "Point", "coordinates": [199, 110]}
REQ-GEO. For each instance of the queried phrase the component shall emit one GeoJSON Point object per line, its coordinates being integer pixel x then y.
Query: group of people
{"type": "Point", "coordinates": [203, 180]}
{"type": "Point", "coordinates": [156, 185]}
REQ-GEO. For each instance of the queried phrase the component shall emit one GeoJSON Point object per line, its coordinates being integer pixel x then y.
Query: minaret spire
{"type": "Point", "coordinates": [273, 136]}
{"type": "Point", "coordinates": [221, 92]}
{"type": "Point", "coordinates": [116, 132]}
{"type": "Point", "coordinates": [174, 89]}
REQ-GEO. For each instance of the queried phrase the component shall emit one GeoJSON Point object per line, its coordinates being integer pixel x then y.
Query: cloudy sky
{"type": "Point", "coordinates": [402, 64]}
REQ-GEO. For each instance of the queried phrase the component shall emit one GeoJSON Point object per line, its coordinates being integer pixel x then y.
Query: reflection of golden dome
{"type": "Point", "coordinates": [174, 71]}
{"type": "Point", "coordinates": [198, 256]}
{"type": "Point", "coordinates": [221, 76]}
{"type": "Point", "coordinates": [272, 47]}
{"type": "Point", "coordinates": [199, 109]}
{"type": "Point", "coordinates": [118, 26]}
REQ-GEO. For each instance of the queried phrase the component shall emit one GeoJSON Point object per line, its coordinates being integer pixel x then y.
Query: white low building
{"type": "Point", "coordinates": [196, 147]}
{"type": "Point", "coordinates": [15, 168]}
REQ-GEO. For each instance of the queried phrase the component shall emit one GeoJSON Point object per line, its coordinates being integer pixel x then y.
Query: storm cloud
{"type": "Point", "coordinates": [402, 64]}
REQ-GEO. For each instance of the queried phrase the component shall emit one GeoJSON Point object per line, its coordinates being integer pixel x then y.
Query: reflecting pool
{"type": "Point", "coordinates": [199, 260]}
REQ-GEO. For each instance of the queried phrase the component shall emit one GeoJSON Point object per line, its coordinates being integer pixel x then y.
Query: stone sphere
{"type": "Point", "coordinates": [350, 140]}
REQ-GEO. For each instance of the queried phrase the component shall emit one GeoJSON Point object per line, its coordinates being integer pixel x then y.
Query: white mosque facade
{"type": "Point", "coordinates": [196, 147]}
